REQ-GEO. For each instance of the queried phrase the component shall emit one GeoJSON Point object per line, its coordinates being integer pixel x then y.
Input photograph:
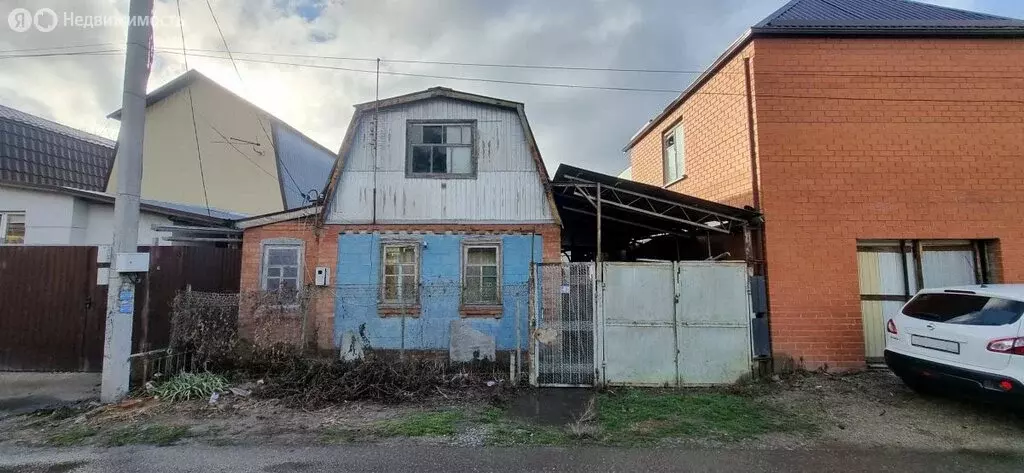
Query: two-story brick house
{"type": "Point", "coordinates": [437, 206]}
{"type": "Point", "coordinates": [883, 140]}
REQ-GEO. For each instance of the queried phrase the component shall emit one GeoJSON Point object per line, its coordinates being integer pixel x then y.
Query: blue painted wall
{"type": "Point", "coordinates": [357, 283]}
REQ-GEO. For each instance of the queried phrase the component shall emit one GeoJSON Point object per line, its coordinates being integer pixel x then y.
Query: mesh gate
{"type": "Point", "coordinates": [563, 338]}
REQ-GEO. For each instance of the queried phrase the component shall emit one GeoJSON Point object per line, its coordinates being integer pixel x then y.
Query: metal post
{"type": "Point", "coordinates": [401, 315]}
{"type": "Point", "coordinates": [598, 259]}
{"type": "Point", "coordinates": [519, 342]}
{"type": "Point", "coordinates": [117, 344]}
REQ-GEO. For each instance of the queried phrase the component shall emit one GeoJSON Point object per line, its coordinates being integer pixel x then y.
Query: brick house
{"type": "Point", "coordinates": [437, 206]}
{"type": "Point", "coordinates": [883, 142]}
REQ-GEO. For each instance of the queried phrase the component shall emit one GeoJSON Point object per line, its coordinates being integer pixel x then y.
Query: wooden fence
{"type": "Point", "coordinates": [52, 312]}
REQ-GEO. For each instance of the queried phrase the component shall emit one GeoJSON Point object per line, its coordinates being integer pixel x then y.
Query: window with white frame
{"type": "Point", "coordinates": [282, 270]}
{"type": "Point", "coordinates": [12, 228]}
{"type": "Point", "coordinates": [400, 274]}
{"type": "Point", "coordinates": [674, 154]}
{"type": "Point", "coordinates": [440, 149]}
{"type": "Point", "coordinates": [481, 275]}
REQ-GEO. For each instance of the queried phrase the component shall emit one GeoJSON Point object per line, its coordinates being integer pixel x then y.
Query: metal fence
{"type": "Point", "coordinates": [563, 338]}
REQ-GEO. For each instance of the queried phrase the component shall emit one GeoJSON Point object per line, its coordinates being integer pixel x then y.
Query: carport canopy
{"type": "Point", "coordinates": [632, 212]}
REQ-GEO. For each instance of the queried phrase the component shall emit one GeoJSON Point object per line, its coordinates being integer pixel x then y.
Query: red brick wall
{"type": "Point", "coordinates": [716, 141]}
{"type": "Point", "coordinates": [834, 171]}
{"type": "Point", "coordinates": [321, 249]}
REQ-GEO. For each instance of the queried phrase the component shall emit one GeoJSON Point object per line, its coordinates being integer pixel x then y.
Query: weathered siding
{"type": "Point", "coordinates": [507, 188]}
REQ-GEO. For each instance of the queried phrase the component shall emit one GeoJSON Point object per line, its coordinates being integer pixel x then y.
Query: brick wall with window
{"type": "Point", "coordinates": [480, 257]}
{"type": "Point", "coordinates": [708, 138]}
{"type": "Point", "coordinates": [945, 164]}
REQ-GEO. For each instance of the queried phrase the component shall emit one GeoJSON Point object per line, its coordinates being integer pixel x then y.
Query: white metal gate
{"type": "Point", "coordinates": [648, 324]}
{"type": "Point", "coordinates": [675, 324]}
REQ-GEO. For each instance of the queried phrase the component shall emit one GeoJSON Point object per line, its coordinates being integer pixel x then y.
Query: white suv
{"type": "Point", "coordinates": [967, 338]}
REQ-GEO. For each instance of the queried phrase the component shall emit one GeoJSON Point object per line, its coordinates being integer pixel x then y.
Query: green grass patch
{"type": "Point", "coordinates": [154, 434]}
{"type": "Point", "coordinates": [426, 424]}
{"type": "Point", "coordinates": [75, 435]}
{"type": "Point", "coordinates": [491, 415]}
{"type": "Point", "coordinates": [637, 416]}
{"type": "Point", "coordinates": [186, 386]}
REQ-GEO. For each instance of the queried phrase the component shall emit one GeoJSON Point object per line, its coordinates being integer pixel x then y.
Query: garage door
{"type": "Point", "coordinates": [888, 278]}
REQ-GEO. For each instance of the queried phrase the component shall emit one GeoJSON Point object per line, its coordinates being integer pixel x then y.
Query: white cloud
{"type": "Point", "coordinates": [582, 127]}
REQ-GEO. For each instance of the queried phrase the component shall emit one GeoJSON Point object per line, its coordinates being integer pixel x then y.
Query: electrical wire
{"type": "Point", "coordinates": [258, 120]}
{"type": "Point", "coordinates": [191, 106]}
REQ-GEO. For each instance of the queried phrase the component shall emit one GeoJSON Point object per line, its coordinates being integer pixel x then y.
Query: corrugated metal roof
{"type": "Point", "coordinates": [886, 14]}
{"type": "Point", "coordinates": [34, 150]}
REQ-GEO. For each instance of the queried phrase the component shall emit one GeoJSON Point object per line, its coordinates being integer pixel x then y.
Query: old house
{"type": "Point", "coordinates": [206, 146]}
{"type": "Point", "coordinates": [436, 208]}
{"type": "Point", "coordinates": [52, 179]}
{"type": "Point", "coordinates": [881, 141]}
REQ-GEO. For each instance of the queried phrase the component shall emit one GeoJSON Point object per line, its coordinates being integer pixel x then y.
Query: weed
{"type": "Point", "coordinates": [75, 435]}
{"type": "Point", "coordinates": [428, 424]}
{"type": "Point", "coordinates": [186, 386]}
{"type": "Point", "coordinates": [637, 417]}
{"type": "Point", "coordinates": [155, 434]}
{"type": "Point", "coordinates": [583, 426]}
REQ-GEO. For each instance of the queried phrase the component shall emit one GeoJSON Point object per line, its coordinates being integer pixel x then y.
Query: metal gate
{"type": "Point", "coordinates": [675, 324]}
{"type": "Point", "coordinates": [563, 328]}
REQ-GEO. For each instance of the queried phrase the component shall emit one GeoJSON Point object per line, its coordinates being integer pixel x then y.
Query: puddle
{"type": "Point", "coordinates": [551, 406]}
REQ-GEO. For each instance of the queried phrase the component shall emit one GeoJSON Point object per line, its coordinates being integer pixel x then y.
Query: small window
{"type": "Point", "coordinates": [674, 155]}
{"type": "Point", "coordinates": [12, 228]}
{"type": "Point", "coordinates": [440, 149]}
{"type": "Point", "coordinates": [282, 271]}
{"type": "Point", "coordinates": [400, 274]}
{"type": "Point", "coordinates": [481, 275]}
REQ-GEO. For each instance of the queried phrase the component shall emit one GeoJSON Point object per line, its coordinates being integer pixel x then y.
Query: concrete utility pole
{"type": "Point", "coordinates": [117, 346]}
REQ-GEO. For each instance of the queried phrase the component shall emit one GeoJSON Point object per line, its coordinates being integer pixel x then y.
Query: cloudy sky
{"type": "Point", "coordinates": [576, 126]}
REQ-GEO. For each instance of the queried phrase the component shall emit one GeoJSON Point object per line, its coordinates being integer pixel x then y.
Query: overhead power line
{"type": "Point", "coordinates": [191, 107]}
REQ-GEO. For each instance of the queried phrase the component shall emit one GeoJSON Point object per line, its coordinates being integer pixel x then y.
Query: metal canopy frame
{"type": "Point", "coordinates": [688, 215]}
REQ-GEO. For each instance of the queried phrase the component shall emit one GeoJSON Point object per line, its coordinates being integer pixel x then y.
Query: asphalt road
{"type": "Point", "coordinates": [446, 459]}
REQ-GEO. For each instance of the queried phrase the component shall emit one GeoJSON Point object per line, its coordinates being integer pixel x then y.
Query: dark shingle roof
{"type": "Point", "coordinates": [858, 15]}
{"type": "Point", "coordinates": [37, 151]}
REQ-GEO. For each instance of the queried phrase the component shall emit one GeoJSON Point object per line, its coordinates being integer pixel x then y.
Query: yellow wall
{"type": "Point", "coordinates": [171, 172]}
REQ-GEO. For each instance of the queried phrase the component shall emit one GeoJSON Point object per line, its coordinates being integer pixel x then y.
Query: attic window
{"type": "Point", "coordinates": [440, 149]}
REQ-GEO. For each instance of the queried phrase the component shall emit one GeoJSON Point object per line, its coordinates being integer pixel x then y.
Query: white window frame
{"type": "Point", "coordinates": [678, 136]}
{"type": "Point", "coordinates": [410, 144]}
{"type": "Point", "coordinates": [465, 264]}
{"type": "Point", "coordinates": [277, 244]}
{"type": "Point", "coordinates": [5, 221]}
{"type": "Point", "coordinates": [400, 302]}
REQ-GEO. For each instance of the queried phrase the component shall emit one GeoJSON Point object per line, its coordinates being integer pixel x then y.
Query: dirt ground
{"type": "Point", "coordinates": [869, 409]}
{"type": "Point", "coordinates": [875, 408]}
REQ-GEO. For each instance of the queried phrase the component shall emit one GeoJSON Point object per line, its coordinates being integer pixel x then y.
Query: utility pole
{"type": "Point", "coordinates": [117, 344]}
